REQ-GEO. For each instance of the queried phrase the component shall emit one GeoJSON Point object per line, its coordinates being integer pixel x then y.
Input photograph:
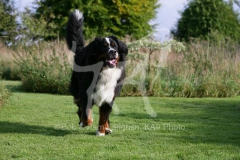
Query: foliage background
{"type": "Point", "coordinates": [202, 17]}
{"type": "Point", "coordinates": [208, 67]}
{"type": "Point", "coordinates": [7, 20]}
{"type": "Point", "coordinates": [4, 94]}
{"type": "Point", "coordinates": [101, 17]}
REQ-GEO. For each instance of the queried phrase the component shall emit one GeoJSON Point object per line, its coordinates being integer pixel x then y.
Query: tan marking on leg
{"type": "Point", "coordinates": [102, 121]}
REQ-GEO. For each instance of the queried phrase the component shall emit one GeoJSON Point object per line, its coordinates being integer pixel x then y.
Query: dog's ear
{"type": "Point", "coordinates": [122, 47]}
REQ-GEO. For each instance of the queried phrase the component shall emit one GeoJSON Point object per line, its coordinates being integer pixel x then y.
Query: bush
{"type": "Point", "coordinates": [146, 61]}
{"type": "Point", "coordinates": [203, 69]}
{"type": "Point", "coordinates": [200, 69]}
{"type": "Point", "coordinates": [8, 69]}
{"type": "Point", "coordinates": [45, 68]}
{"type": "Point", "coordinates": [207, 69]}
{"type": "Point", "coordinates": [4, 94]}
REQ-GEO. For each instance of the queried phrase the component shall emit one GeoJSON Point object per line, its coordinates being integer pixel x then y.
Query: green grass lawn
{"type": "Point", "coordinates": [44, 126]}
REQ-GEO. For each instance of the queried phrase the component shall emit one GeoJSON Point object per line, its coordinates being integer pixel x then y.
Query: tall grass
{"type": "Point", "coordinates": [8, 69]}
{"type": "Point", "coordinates": [207, 70]}
{"type": "Point", "coordinates": [203, 69]}
{"type": "Point", "coordinates": [4, 94]}
{"type": "Point", "coordinates": [45, 67]}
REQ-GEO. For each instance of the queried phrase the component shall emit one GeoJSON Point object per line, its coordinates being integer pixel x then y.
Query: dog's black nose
{"type": "Point", "coordinates": [112, 51]}
{"type": "Point", "coordinates": [112, 54]}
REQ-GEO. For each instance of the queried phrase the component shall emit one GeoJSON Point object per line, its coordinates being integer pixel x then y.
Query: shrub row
{"type": "Point", "coordinates": [9, 70]}
{"type": "Point", "coordinates": [203, 69]}
{"type": "Point", "coordinates": [4, 94]}
{"type": "Point", "coordinates": [44, 68]}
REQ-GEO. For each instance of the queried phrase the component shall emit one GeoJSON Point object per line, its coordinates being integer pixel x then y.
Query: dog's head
{"type": "Point", "coordinates": [109, 50]}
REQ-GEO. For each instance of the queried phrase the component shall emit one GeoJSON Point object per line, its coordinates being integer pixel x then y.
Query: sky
{"type": "Point", "coordinates": [167, 15]}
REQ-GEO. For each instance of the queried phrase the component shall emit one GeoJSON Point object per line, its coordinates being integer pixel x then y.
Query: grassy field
{"type": "Point", "coordinates": [44, 126]}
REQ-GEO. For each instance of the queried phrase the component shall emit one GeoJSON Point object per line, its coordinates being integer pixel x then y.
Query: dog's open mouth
{"type": "Point", "coordinates": [112, 63]}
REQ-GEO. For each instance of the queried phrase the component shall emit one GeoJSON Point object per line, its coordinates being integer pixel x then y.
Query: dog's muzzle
{"type": "Point", "coordinates": [113, 58]}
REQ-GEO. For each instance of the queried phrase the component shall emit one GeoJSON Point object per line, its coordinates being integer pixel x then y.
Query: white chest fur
{"type": "Point", "coordinates": [105, 87]}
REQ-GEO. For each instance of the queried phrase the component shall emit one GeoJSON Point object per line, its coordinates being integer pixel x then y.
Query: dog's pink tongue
{"type": "Point", "coordinates": [113, 62]}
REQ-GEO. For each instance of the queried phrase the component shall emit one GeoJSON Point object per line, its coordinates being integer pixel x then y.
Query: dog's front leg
{"type": "Point", "coordinates": [85, 116]}
{"type": "Point", "coordinates": [104, 124]}
{"type": "Point", "coordinates": [84, 113]}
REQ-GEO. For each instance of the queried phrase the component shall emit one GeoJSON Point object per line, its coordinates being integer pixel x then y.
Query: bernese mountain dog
{"type": "Point", "coordinates": [98, 73]}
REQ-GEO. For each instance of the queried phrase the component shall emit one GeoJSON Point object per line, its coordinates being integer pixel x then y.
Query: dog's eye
{"type": "Point", "coordinates": [105, 44]}
{"type": "Point", "coordinates": [113, 45]}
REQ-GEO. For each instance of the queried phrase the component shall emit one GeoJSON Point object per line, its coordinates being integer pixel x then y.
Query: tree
{"type": "Point", "coordinates": [202, 17]}
{"type": "Point", "coordinates": [237, 2]}
{"type": "Point", "coordinates": [35, 28]}
{"type": "Point", "coordinates": [7, 19]}
{"type": "Point", "coordinates": [101, 17]}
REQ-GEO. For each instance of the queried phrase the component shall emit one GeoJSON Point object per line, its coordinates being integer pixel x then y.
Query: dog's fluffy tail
{"type": "Point", "coordinates": [74, 37]}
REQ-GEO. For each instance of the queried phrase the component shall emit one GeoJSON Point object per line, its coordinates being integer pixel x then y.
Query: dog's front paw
{"type": "Point", "coordinates": [108, 131]}
{"type": "Point", "coordinates": [99, 133]}
{"type": "Point", "coordinates": [81, 124]}
{"type": "Point", "coordinates": [89, 122]}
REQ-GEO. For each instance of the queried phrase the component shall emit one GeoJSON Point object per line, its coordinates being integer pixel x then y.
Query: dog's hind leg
{"type": "Point", "coordinates": [104, 124]}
